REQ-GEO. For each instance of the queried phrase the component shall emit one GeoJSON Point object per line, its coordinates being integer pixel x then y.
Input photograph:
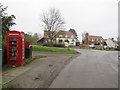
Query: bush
{"type": "Point", "coordinates": [117, 49]}
{"type": "Point", "coordinates": [53, 45]}
{"type": "Point", "coordinates": [48, 44]}
{"type": "Point", "coordinates": [112, 49]}
{"type": "Point", "coordinates": [58, 45]}
{"type": "Point", "coordinates": [28, 60]}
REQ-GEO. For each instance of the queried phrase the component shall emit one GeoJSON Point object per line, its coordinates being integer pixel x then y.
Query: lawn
{"type": "Point", "coordinates": [38, 48]}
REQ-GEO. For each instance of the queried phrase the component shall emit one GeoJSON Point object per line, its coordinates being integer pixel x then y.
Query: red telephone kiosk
{"type": "Point", "coordinates": [15, 48]}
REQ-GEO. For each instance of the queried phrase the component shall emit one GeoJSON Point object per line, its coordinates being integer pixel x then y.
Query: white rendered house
{"type": "Point", "coordinates": [67, 37]}
{"type": "Point", "coordinates": [111, 43]}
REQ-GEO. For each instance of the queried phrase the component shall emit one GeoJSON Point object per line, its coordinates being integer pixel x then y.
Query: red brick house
{"type": "Point", "coordinates": [92, 39]}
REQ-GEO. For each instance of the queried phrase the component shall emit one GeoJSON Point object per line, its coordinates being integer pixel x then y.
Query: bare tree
{"type": "Point", "coordinates": [53, 22]}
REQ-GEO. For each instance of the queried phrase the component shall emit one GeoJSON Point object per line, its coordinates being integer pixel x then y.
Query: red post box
{"type": "Point", "coordinates": [27, 44]}
{"type": "Point", "coordinates": [15, 48]}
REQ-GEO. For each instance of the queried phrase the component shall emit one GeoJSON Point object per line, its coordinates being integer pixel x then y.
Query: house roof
{"type": "Point", "coordinates": [73, 31]}
{"type": "Point", "coordinates": [69, 34]}
{"type": "Point", "coordinates": [63, 33]}
{"type": "Point", "coordinates": [95, 37]}
{"type": "Point", "coordinates": [41, 40]}
{"type": "Point", "coordinates": [105, 39]}
{"type": "Point", "coordinates": [112, 40]}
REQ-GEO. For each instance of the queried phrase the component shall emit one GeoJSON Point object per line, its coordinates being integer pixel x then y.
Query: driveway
{"type": "Point", "coordinates": [91, 69]}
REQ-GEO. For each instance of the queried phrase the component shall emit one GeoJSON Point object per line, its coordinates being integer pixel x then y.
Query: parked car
{"type": "Point", "coordinates": [66, 44]}
{"type": "Point", "coordinates": [91, 46]}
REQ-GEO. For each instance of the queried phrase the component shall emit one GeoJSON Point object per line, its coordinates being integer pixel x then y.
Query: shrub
{"type": "Point", "coordinates": [117, 49]}
{"type": "Point", "coordinates": [48, 44]}
{"type": "Point", "coordinates": [58, 45]}
{"type": "Point", "coordinates": [53, 45]}
{"type": "Point", "coordinates": [28, 60]}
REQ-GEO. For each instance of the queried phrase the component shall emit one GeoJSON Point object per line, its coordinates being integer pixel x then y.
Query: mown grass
{"type": "Point", "coordinates": [38, 48]}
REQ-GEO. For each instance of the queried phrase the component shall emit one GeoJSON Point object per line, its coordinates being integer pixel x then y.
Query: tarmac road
{"type": "Point", "coordinates": [92, 69]}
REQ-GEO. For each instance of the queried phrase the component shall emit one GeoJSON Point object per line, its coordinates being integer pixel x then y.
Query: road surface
{"type": "Point", "coordinates": [92, 69]}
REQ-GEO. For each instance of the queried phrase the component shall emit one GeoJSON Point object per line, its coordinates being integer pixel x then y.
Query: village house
{"type": "Point", "coordinates": [92, 40]}
{"type": "Point", "coordinates": [62, 37]}
{"type": "Point", "coordinates": [111, 43]}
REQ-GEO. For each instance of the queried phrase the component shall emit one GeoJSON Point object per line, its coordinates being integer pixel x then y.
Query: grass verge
{"type": "Point", "coordinates": [34, 57]}
{"type": "Point", "coordinates": [111, 49]}
{"type": "Point", "coordinates": [38, 48]}
{"type": "Point", "coordinates": [6, 86]}
{"type": "Point", "coordinates": [105, 49]}
{"type": "Point", "coordinates": [5, 67]}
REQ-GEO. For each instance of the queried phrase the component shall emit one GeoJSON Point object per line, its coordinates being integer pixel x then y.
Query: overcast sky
{"type": "Point", "coordinates": [98, 17]}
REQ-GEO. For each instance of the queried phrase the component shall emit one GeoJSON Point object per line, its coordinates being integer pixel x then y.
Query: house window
{"type": "Point", "coordinates": [60, 35]}
{"type": "Point", "coordinates": [46, 36]}
{"type": "Point", "coordinates": [49, 40]}
{"type": "Point", "coordinates": [66, 36]}
{"type": "Point", "coordinates": [73, 40]}
{"type": "Point", "coordinates": [71, 43]}
{"type": "Point", "coordinates": [60, 41]}
{"type": "Point", "coordinates": [97, 39]}
{"type": "Point", "coordinates": [72, 36]}
{"type": "Point", "coordinates": [92, 39]}
{"type": "Point", "coordinates": [66, 41]}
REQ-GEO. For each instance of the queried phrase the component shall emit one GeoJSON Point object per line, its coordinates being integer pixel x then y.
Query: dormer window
{"type": "Point", "coordinates": [73, 40]}
{"type": "Point", "coordinates": [60, 35]}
